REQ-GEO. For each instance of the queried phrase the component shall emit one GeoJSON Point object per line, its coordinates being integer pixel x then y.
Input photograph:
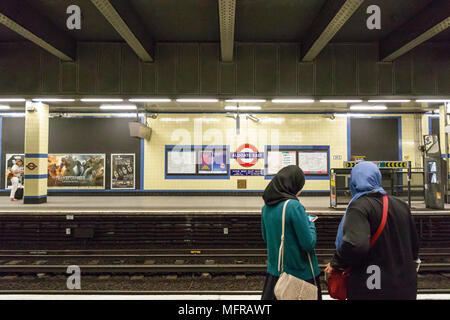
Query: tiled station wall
{"type": "Point", "coordinates": [283, 129]}
{"type": "Point", "coordinates": [217, 129]}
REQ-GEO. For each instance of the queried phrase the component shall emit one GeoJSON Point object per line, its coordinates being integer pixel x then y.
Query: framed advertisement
{"type": "Point", "coordinates": [76, 171]}
{"type": "Point", "coordinates": [10, 160]}
{"type": "Point", "coordinates": [123, 171]}
{"type": "Point", "coordinates": [196, 162]}
{"type": "Point", "coordinates": [180, 161]}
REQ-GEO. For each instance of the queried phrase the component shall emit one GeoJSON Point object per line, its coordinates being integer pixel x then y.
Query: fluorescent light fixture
{"type": "Point", "coordinates": [246, 100]}
{"type": "Point", "coordinates": [433, 100]}
{"type": "Point", "coordinates": [52, 100]}
{"type": "Point", "coordinates": [340, 101]}
{"type": "Point", "coordinates": [292, 100]}
{"type": "Point", "coordinates": [242, 108]}
{"type": "Point", "coordinates": [101, 100]}
{"type": "Point", "coordinates": [150, 100]}
{"type": "Point", "coordinates": [367, 107]}
{"type": "Point", "coordinates": [198, 100]}
{"type": "Point", "coordinates": [385, 101]}
{"type": "Point", "coordinates": [12, 100]}
{"type": "Point", "coordinates": [118, 107]}
{"type": "Point", "coordinates": [4, 107]}
{"type": "Point", "coordinates": [174, 119]}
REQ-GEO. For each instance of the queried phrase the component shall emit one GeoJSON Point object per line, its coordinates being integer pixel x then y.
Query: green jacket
{"type": "Point", "coordinates": [300, 237]}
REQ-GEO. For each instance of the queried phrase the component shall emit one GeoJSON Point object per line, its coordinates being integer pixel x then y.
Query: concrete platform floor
{"type": "Point", "coordinates": [168, 297]}
{"type": "Point", "coordinates": [167, 203]}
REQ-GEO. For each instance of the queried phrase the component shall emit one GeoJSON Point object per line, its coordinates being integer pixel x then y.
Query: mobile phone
{"type": "Point", "coordinates": [313, 218]}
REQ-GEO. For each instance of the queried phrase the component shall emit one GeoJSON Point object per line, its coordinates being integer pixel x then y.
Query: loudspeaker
{"type": "Point", "coordinates": [139, 130]}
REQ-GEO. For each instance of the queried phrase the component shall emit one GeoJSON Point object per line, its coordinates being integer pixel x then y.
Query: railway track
{"type": "Point", "coordinates": [174, 292]}
{"type": "Point", "coordinates": [214, 261]}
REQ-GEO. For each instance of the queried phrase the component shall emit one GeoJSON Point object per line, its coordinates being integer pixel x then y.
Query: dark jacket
{"type": "Point", "coordinates": [394, 252]}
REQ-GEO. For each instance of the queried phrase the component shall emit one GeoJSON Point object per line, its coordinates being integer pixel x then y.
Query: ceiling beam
{"type": "Point", "coordinates": [24, 20]}
{"type": "Point", "coordinates": [227, 12]}
{"type": "Point", "coordinates": [434, 19]}
{"type": "Point", "coordinates": [126, 22]}
{"type": "Point", "coordinates": [330, 20]}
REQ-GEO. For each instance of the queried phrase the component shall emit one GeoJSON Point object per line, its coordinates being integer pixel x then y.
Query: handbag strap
{"type": "Point", "coordinates": [281, 250]}
{"type": "Point", "coordinates": [383, 221]}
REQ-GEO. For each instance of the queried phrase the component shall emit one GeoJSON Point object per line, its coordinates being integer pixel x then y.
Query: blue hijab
{"type": "Point", "coordinates": [365, 178]}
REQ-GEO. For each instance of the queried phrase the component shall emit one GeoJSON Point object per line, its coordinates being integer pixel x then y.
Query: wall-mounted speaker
{"type": "Point", "coordinates": [139, 130]}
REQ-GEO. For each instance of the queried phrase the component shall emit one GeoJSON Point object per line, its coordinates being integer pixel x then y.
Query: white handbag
{"type": "Point", "coordinates": [289, 287]}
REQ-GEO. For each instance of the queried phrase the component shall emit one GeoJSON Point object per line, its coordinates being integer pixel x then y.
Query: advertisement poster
{"type": "Point", "coordinates": [122, 171]}
{"type": "Point", "coordinates": [181, 162]}
{"type": "Point", "coordinates": [212, 162]}
{"type": "Point", "coordinates": [72, 171]}
{"type": "Point", "coordinates": [313, 162]}
{"type": "Point", "coordinates": [10, 161]}
{"type": "Point", "coordinates": [276, 160]}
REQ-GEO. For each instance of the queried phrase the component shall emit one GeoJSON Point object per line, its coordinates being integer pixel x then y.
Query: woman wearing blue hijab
{"type": "Point", "coordinates": [364, 179]}
{"type": "Point", "coordinates": [387, 268]}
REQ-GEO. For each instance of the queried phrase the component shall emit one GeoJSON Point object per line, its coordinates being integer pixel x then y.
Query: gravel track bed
{"type": "Point", "coordinates": [162, 282]}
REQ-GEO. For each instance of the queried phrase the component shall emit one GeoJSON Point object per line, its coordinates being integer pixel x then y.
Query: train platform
{"type": "Point", "coordinates": [172, 204]}
{"type": "Point", "coordinates": [168, 297]}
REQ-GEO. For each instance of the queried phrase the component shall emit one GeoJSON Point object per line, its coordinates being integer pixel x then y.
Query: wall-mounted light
{"type": "Point", "coordinates": [150, 100]}
{"type": "Point", "coordinates": [52, 100]}
{"type": "Point", "coordinates": [292, 100]}
{"type": "Point", "coordinates": [4, 107]}
{"type": "Point", "coordinates": [386, 101]}
{"type": "Point", "coordinates": [252, 117]}
{"type": "Point", "coordinates": [243, 108]}
{"type": "Point", "coordinates": [433, 100]}
{"type": "Point", "coordinates": [246, 100]}
{"type": "Point", "coordinates": [118, 107]}
{"type": "Point", "coordinates": [12, 100]}
{"type": "Point", "coordinates": [198, 100]}
{"type": "Point", "coordinates": [340, 101]}
{"type": "Point", "coordinates": [101, 100]}
{"type": "Point", "coordinates": [368, 107]}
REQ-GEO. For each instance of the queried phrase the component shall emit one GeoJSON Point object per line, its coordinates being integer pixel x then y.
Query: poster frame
{"type": "Point", "coordinates": [134, 170]}
{"type": "Point", "coordinates": [197, 174]}
{"type": "Point", "coordinates": [316, 148]}
{"type": "Point", "coordinates": [81, 187]}
{"type": "Point", "coordinates": [6, 167]}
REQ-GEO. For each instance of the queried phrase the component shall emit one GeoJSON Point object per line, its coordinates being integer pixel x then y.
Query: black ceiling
{"type": "Point", "coordinates": [198, 21]}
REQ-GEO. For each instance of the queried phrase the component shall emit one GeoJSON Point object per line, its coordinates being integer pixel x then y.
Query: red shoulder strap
{"type": "Point", "coordinates": [383, 221]}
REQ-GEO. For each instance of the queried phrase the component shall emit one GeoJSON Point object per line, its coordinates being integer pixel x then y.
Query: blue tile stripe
{"type": "Point", "coordinates": [35, 197]}
{"type": "Point", "coordinates": [36, 155]}
{"type": "Point", "coordinates": [36, 176]}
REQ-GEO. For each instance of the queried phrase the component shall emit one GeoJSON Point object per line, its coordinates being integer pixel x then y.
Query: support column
{"type": "Point", "coordinates": [444, 146]}
{"type": "Point", "coordinates": [36, 153]}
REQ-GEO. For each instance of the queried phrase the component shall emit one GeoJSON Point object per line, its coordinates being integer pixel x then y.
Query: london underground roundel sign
{"type": "Point", "coordinates": [247, 155]}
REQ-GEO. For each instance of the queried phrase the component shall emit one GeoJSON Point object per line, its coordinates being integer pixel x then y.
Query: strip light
{"type": "Point", "coordinates": [292, 100]}
{"type": "Point", "coordinates": [52, 100]}
{"type": "Point", "coordinates": [433, 100]}
{"type": "Point", "coordinates": [100, 100]}
{"type": "Point", "coordinates": [242, 108]}
{"type": "Point", "coordinates": [246, 100]}
{"type": "Point", "coordinates": [4, 107]}
{"type": "Point", "coordinates": [386, 101]}
{"type": "Point", "coordinates": [368, 107]}
{"type": "Point", "coordinates": [150, 100]}
{"type": "Point", "coordinates": [340, 101]}
{"type": "Point", "coordinates": [12, 100]}
{"type": "Point", "coordinates": [118, 107]}
{"type": "Point", "coordinates": [198, 100]}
